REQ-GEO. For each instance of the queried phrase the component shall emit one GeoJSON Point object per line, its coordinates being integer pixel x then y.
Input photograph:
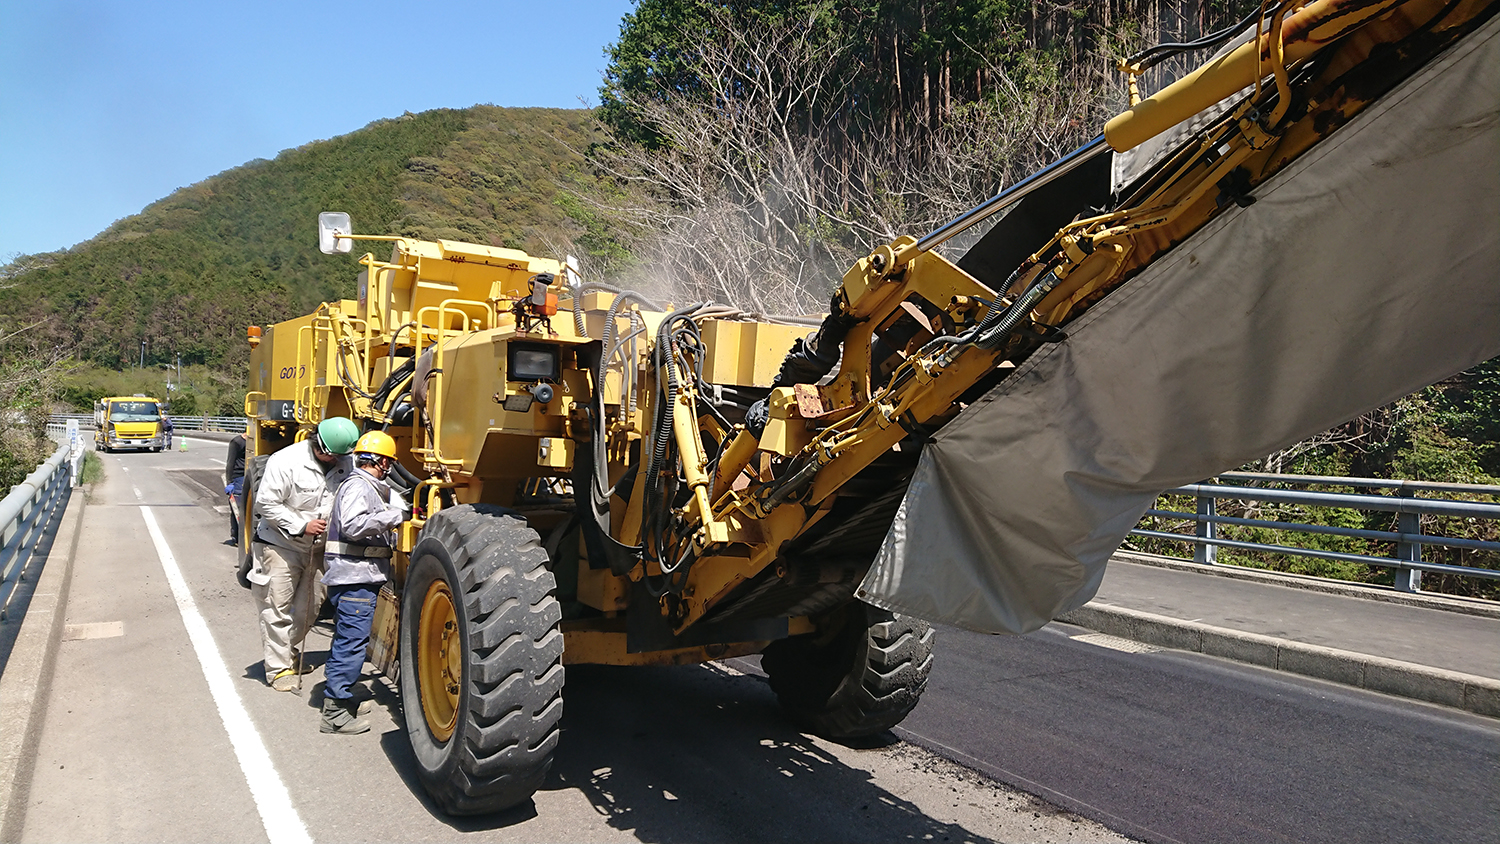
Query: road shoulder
{"type": "Point", "coordinates": [27, 679]}
{"type": "Point", "coordinates": [1471, 693]}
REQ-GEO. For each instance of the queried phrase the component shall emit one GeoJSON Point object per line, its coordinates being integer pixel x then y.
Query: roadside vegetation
{"type": "Point", "coordinates": [757, 149]}
{"type": "Point", "coordinates": [30, 373]}
{"type": "Point", "coordinates": [1446, 433]}
{"type": "Point", "coordinates": [195, 391]}
{"type": "Point", "coordinates": [93, 469]}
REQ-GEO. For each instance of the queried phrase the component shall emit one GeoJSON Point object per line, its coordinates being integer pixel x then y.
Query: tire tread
{"type": "Point", "coordinates": [509, 729]}
{"type": "Point", "coordinates": [870, 692]}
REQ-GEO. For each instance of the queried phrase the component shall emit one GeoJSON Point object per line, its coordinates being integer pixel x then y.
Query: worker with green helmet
{"type": "Point", "coordinates": [356, 561]}
{"type": "Point", "coordinates": [293, 500]}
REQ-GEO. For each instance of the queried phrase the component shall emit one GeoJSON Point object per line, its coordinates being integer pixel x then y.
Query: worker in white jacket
{"type": "Point", "coordinates": [294, 499]}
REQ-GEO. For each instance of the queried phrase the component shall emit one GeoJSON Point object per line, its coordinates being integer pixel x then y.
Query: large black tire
{"type": "Point", "coordinates": [486, 744]}
{"type": "Point", "coordinates": [860, 676]}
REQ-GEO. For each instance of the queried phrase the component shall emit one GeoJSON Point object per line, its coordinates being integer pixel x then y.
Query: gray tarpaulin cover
{"type": "Point", "coordinates": [1368, 269]}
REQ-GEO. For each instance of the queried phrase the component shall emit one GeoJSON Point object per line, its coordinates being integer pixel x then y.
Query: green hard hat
{"type": "Point", "coordinates": [338, 435]}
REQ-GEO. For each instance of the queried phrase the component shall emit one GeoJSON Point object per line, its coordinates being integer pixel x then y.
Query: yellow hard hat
{"type": "Point", "coordinates": [376, 442]}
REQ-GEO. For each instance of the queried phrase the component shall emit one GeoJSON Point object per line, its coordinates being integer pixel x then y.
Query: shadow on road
{"type": "Point", "coordinates": [397, 749]}
{"type": "Point", "coordinates": [695, 753]}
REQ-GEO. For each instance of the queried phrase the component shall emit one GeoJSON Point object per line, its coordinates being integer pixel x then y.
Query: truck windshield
{"type": "Point", "coordinates": [134, 411]}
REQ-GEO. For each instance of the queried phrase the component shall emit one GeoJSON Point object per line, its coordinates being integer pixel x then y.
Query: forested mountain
{"type": "Point", "coordinates": [187, 274]}
{"type": "Point", "coordinates": [983, 90]}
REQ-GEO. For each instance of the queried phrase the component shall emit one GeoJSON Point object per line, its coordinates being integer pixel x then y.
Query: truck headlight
{"type": "Point", "coordinates": [532, 362]}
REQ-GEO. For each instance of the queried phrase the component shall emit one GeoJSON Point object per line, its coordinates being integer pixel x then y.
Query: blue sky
{"type": "Point", "coordinates": [106, 106]}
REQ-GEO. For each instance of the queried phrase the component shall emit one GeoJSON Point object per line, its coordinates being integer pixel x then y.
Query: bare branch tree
{"type": "Point", "coordinates": [758, 193]}
{"type": "Point", "coordinates": [1357, 435]}
{"type": "Point", "coordinates": [19, 265]}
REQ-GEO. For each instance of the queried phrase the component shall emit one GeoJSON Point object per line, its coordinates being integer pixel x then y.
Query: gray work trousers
{"type": "Point", "coordinates": [289, 603]}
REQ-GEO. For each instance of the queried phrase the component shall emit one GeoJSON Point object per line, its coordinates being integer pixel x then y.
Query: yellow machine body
{"type": "Point", "coordinates": [478, 438]}
{"type": "Point", "coordinates": [702, 483]}
{"type": "Point", "coordinates": [487, 440]}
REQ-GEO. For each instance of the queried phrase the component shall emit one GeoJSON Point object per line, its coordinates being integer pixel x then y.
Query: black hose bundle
{"type": "Point", "coordinates": [809, 359]}
{"type": "Point", "coordinates": [1152, 56]}
{"type": "Point", "coordinates": [676, 338]}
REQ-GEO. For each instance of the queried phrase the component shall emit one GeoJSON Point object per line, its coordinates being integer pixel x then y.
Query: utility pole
{"type": "Point", "coordinates": [143, 354]}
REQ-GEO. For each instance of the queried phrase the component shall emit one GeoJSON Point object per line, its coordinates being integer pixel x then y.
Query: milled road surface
{"type": "Point", "coordinates": [137, 746]}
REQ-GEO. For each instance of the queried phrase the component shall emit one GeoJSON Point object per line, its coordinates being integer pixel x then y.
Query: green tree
{"type": "Point", "coordinates": [29, 386]}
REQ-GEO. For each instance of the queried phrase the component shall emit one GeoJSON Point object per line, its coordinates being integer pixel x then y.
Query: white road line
{"type": "Point", "coordinates": [96, 630]}
{"type": "Point", "coordinates": [277, 814]}
{"type": "Point", "coordinates": [724, 668]}
{"type": "Point", "coordinates": [1116, 643]}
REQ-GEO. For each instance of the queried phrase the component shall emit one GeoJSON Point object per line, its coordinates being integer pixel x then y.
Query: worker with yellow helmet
{"type": "Point", "coordinates": [356, 561]}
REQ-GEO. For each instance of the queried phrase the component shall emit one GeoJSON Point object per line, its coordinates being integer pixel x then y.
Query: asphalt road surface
{"type": "Point", "coordinates": [160, 728]}
{"type": "Point", "coordinates": [1173, 746]}
{"type": "Point", "coordinates": [1161, 746]}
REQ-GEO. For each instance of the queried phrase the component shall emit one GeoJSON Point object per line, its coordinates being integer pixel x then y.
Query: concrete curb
{"type": "Point", "coordinates": [1480, 695]}
{"type": "Point", "coordinates": [1368, 591]}
{"type": "Point", "coordinates": [28, 672]}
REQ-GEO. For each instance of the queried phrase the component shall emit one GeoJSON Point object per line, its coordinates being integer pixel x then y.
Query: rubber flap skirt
{"type": "Point", "coordinates": [1366, 270]}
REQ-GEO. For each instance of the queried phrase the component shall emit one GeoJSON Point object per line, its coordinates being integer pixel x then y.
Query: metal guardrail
{"type": "Point", "coordinates": [25, 514]}
{"type": "Point", "coordinates": [230, 424]}
{"type": "Point", "coordinates": [1408, 537]}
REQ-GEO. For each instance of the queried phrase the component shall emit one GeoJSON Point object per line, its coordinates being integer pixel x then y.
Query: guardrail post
{"type": "Point", "coordinates": [1202, 551]}
{"type": "Point", "coordinates": [24, 513]}
{"type": "Point", "coordinates": [1408, 580]}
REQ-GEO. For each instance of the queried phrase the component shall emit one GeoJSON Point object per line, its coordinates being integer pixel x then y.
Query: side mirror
{"type": "Point", "coordinates": [331, 225]}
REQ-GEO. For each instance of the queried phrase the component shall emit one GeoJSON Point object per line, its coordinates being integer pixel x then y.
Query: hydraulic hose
{"type": "Point", "coordinates": [390, 349]}
{"type": "Point", "coordinates": [990, 320]}
{"type": "Point", "coordinates": [661, 432]}
{"type": "Point", "coordinates": [601, 456]}
{"type": "Point", "coordinates": [578, 324]}
{"type": "Point", "coordinates": [994, 336]}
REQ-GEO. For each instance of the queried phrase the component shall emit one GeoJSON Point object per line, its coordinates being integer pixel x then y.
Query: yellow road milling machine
{"type": "Point", "coordinates": [1300, 230]}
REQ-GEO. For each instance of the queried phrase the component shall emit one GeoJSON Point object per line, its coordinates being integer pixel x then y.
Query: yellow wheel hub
{"type": "Point", "coordinates": [440, 660]}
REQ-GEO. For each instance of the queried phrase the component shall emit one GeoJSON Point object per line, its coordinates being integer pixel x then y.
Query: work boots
{"type": "Point", "coordinates": [339, 716]}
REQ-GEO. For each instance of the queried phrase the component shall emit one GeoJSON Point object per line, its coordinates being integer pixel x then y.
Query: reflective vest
{"type": "Point", "coordinates": [356, 561]}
